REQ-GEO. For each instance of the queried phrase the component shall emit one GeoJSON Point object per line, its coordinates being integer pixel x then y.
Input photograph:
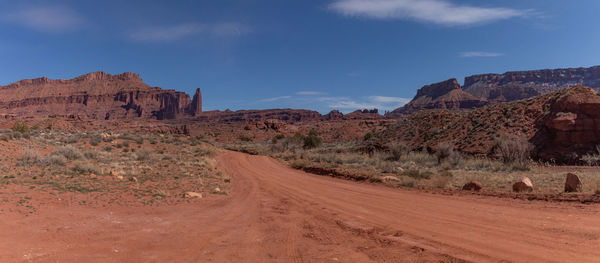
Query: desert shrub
{"type": "Point", "coordinates": [298, 138]}
{"type": "Point", "coordinates": [204, 151]}
{"type": "Point", "coordinates": [397, 150]}
{"type": "Point", "coordinates": [125, 144]}
{"type": "Point", "coordinates": [95, 140]}
{"type": "Point", "coordinates": [69, 152]}
{"type": "Point", "coordinates": [591, 159]}
{"type": "Point", "coordinates": [21, 127]}
{"type": "Point", "coordinates": [84, 167]}
{"type": "Point", "coordinates": [30, 157]}
{"type": "Point", "coordinates": [444, 150]}
{"type": "Point", "coordinates": [441, 181]}
{"type": "Point", "coordinates": [139, 140]}
{"type": "Point", "coordinates": [70, 139]}
{"type": "Point", "coordinates": [107, 148]}
{"type": "Point", "coordinates": [455, 159]}
{"type": "Point", "coordinates": [312, 140]}
{"type": "Point", "coordinates": [407, 182]}
{"type": "Point", "coordinates": [143, 154]}
{"type": "Point", "coordinates": [445, 173]}
{"type": "Point", "coordinates": [513, 149]}
{"type": "Point", "coordinates": [245, 138]}
{"type": "Point", "coordinates": [368, 136]}
{"type": "Point", "coordinates": [16, 135]}
{"type": "Point", "coordinates": [91, 154]}
{"type": "Point", "coordinates": [57, 160]}
{"type": "Point", "coordinates": [277, 138]}
{"type": "Point", "coordinates": [417, 174]}
{"type": "Point", "coordinates": [298, 164]}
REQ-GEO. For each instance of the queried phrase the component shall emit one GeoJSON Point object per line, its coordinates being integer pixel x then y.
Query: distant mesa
{"type": "Point", "coordinates": [443, 95]}
{"type": "Point", "coordinates": [485, 89]}
{"type": "Point", "coordinates": [97, 95]}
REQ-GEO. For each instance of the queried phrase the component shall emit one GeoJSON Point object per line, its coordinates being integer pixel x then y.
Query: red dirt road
{"type": "Point", "coordinates": [275, 214]}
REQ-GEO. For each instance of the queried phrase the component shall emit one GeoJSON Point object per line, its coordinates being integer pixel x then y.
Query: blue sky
{"type": "Point", "coordinates": [321, 55]}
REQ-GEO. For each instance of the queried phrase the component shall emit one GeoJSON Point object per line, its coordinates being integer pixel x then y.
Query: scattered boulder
{"type": "Point", "coordinates": [92, 175]}
{"type": "Point", "coordinates": [573, 184]}
{"type": "Point", "coordinates": [192, 195]}
{"type": "Point", "coordinates": [472, 186]}
{"type": "Point", "coordinates": [525, 185]}
{"type": "Point", "coordinates": [217, 190]}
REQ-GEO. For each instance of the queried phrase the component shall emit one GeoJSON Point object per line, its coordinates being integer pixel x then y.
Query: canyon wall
{"type": "Point", "coordinates": [96, 95]}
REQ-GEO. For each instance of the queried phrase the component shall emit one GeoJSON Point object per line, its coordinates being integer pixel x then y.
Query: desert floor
{"type": "Point", "coordinates": [273, 213]}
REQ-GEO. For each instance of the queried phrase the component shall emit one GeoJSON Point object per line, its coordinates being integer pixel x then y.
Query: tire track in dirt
{"type": "Point", "coordinates": [277, 214]}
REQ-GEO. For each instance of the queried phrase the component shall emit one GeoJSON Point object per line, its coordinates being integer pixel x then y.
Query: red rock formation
{"type": "Point", "coordinates": [442, 95]}
{"type": "Point", "coordinates": [96, 95]}
{"type": "Point", "coordinates": [252, 116]}
{"type": "Point", "coordinates": [196, 106]}
{"type": "Point", "coordinates": [571, 127]}
{"type": "Point", "coordinates": [518, 85]}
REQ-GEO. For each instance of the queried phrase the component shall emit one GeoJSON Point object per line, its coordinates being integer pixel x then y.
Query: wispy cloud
{"type": "Point", "coordinates": [383, 103]}
{"type": "Point", "coordinates": [386, 99]}
{"type": "Point", "coordinates": [49, 19]}
{"type": "Point", "coordinates": [275, 99]}
{"type": "Point", "coordinates": [310, 93]}
{"type": "Point", "coordinates": [442, 12]}
{"type": "Point", "coordinates": [180, 31]}
{"type": "Point", "coordinates": [472, 54]}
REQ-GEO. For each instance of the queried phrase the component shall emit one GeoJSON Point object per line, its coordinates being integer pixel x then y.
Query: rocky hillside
{"type": "Point", "coordinates": [442, 95]}
{"type": "Point", "coordinates": [96, 95]}
{"type": "Point", "coordinates": [562, 125]}
{"type": "Point", "coordinates": [485, 89]}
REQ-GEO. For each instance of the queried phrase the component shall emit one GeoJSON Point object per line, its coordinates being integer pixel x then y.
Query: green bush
{"type": "Point", "coordinates": [444, 150]}
{"type": "Point", "coordinates": [21, 127]}
{"type": "Point", "coordinates": [312, 140]}
{"type": "Point", "coordinates": [277, 138]}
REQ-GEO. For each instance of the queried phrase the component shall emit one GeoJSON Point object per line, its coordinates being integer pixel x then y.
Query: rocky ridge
{"type": "Point", "coordinates": [486, 89]}
{"type": "Point", "coordinates": [443, 95]}
{"type": "Point", "coordinates": [96, 95]}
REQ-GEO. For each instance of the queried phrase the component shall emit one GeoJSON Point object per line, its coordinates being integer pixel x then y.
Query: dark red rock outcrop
{"type": "Point", "coordinates": [96, 95]}
{"type": "Point", "coordinates": [571, 128]}
{"type": "Point", "coordinates": [443, 95]}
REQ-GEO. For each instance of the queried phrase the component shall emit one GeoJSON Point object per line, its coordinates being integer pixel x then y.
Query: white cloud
{"type": "Point", "coordinates": [275, 99]}
{"type": "Point", "coordinates": [442, 12]}
{"type": "Point", "coordinates": [177, 32]}
{"type": "Point", "coordinates": [310, 93]}
{"type": "Point", "coordinates": [346, 104]}
{"type": "Point", "coordinates": [473, 54]}
{"type": "Point", "coordinates": [385, 99]}
{"type": "Point", "coordinates": [50, 19]}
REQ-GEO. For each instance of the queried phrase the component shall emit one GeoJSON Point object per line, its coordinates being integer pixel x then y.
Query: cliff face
{"type": "Point", "coordinates": [572, 125]}
{"type": "Point", "coordinates": [443, 95]}
{"type": "Point", "coordinates": [480, 90]}
{"type": "Point", "coordinates": [96, 95]}
{"type": "Point", "coordinates": [518, 85]}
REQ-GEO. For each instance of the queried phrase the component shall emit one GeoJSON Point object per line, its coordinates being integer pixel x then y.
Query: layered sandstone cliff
{"type": "Point", "coordinates": [485, 89]}
{"type": "Point", "coordinates": [96, 95]}
{"type": "Point", "coordinates": [518, 85]}
{"type": "Point", "coordinates": [443, 95]}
